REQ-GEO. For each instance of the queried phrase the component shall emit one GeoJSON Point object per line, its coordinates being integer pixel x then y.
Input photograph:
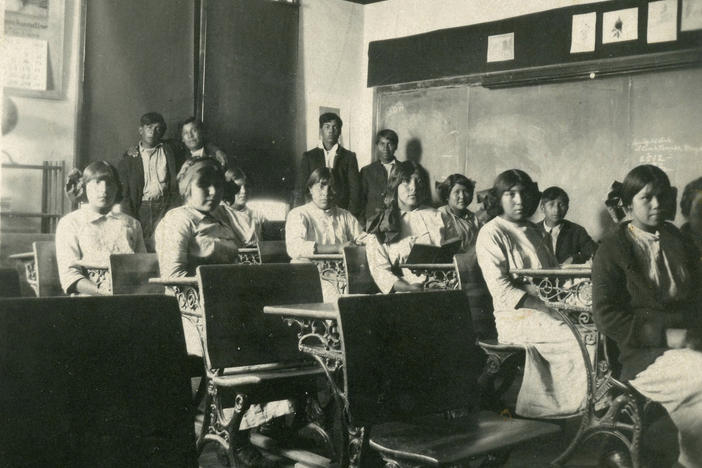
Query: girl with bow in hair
{"type": "Point", "coordinates": [646, 294]}
{"type": "Point", "coordinates": [94, 231]}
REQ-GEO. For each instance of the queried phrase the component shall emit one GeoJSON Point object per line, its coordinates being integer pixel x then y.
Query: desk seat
{"type": "Point", "coordinates": [433, 441]}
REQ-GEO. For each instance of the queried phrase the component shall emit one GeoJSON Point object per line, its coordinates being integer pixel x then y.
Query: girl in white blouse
{"type": "Point", "coordinates": [404, 222]}
{"type": "Point", "coordinates": [94, 231]}
{"type": "Point", "coordinates": [319, 226]}
{"type": "Point", "coordinates": [248, 223]}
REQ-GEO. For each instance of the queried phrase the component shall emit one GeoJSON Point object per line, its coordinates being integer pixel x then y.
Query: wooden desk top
{"type": "Point", "coordinates": [336, 256]}
{"type": "Point", "coordinates": [317, 310]}
{"type": "Point", "coordinates": [23, 256]}
{"type": "Point", "coordinates": [571, 272]}
{"type": "Point", "coordinates": [183, 281]}
{"type": "Point", "coordinates": [427, 266]}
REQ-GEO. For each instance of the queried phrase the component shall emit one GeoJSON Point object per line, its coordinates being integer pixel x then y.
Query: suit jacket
{"type": "Point", "coordinates": [573, 241]}
{"type": "Point", "coordinates": [131, 174]}
{"type": "Point", "coordinates": [345, 173]}
{"type": "Point", "coordinates": [374, 182]}
{"type": "Point", "coordinates": [627, 307]}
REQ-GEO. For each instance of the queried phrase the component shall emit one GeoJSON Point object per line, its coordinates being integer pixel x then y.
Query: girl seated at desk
{"type": "Point", "coordinates": [319, 226]}
{"type": "Point", "coordinates": [404, 222]}
{"type": "Point", "coordinates": [200, 231]}
{"type": "Point", "coordinates": [646, 292]}
{"type": "Point", "coordinates": [95, 230]}
{"type": "Point", "coordinates": [457, 192]}
{"type": "Point", "coordinates": [248, 223]}
{"type": "Point", "coordinates": [554, 381]}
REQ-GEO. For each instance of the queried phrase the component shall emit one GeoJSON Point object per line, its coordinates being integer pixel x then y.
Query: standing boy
{"type": "Point", "coordinates": [374, 177]}
{"type": "Point", "coordinates": [339, 160]}
{"type": "Point", "coordinates": [148, 173]}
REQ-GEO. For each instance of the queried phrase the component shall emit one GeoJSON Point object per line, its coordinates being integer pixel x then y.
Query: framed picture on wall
{"type": "Point", "coordinates": [33, 48]}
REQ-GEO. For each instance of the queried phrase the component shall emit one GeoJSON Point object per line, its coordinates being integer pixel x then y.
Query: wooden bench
{"type": "Point", "coordinates": [94, 381]}
{"type": "Point", "coordinates": [130, 273]}
{"type": "Point", "coordinates": [410, 366]}
{"type": "Point", "coordinates": [250, 357]}
{"type": "Point", "coordinates": [9, 283]}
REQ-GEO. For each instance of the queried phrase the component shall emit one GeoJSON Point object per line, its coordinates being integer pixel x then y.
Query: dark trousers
{"type": "Point", "coordinates": [150, 213]}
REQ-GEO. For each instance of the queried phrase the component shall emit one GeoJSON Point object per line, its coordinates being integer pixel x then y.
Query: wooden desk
{"type": "Point", "coordinates": [99, 274]}
{"type": "Point", "coordinates": [30, 269]}
{"type": "Point", "coordinates": [568, 291]}
{"type": "Point", "coordinates": [438, 275]}
{"type": "Point", "coordinates": [331, 270]}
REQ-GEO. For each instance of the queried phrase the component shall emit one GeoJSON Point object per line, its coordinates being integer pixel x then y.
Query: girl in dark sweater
{"type": "Point", "coordinates": [646, 296]}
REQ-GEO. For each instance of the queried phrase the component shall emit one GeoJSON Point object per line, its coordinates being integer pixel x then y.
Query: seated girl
{"type": "Point", "coordinates": [404, 222]}
{"type": "Point", "coordinates": [691, 206]}
{"type": "Point", "coordinates": [457, 192]}
{"type": "Point", "coordinates": [248, 223]}
{"type": "Point", "coordinates": [94, 231]}
{"type": "Point", "coordinates": [554, 381]}
{"type": "Point", "coordinates": [647, 297]}
{"type": "Point", "coordinates": [319, 226]}
{"type": "Point", "coordinates": [200, 231]}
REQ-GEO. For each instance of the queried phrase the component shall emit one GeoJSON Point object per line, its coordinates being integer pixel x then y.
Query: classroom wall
{"type": "Point", "coordinates": [398, 18]}
{"type": "Point", "coordinates": [46, 129]}
{"type": "Point", "coordinates": [330, 70]}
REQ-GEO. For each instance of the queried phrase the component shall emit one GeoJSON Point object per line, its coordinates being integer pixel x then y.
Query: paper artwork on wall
{"type": "Point", "coordinates": [620, 25]}
{"type": "Point", "coordinates": [662, 21]}
{"type": "Point", "coordinates": [500, 47]}
{"type": "Point", "coordinates": [583, 33]}
{"type": "Point", "coordinates": [691, 15]}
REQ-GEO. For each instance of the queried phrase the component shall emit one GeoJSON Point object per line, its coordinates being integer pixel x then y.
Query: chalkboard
{"type": "Point", "coordinates": [578, 135]}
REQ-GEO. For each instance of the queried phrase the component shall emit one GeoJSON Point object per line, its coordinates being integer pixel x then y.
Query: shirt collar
{"type": "Point", "coordinates": [198, 152]}
{"type": "Point", "coordinates": [332, 150]}
{"type": "Point", "coordinates": [328, 212]}
{"type": "Point", "coordinates": [91, 215]}
{"type": "Point", "coordinates": [151, 150]}
{"type": "Point", "coordinates": [645, 235]}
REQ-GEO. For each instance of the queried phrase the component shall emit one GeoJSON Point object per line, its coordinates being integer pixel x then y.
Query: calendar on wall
{"type": "Point", "coordinates": [32, 48]}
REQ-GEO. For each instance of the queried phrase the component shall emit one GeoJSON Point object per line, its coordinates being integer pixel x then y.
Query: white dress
{"type": "Point", "coordinates": [555, 378]}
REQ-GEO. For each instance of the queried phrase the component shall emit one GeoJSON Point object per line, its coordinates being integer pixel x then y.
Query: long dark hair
{"type": "Point", "coordinates": [403, 172]}
{"type": "Point", "coordinates": [639, 177]}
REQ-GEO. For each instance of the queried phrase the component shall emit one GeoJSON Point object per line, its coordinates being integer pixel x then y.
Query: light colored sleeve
{"type": "Point", "coordinates": [380, 265]}
{"type": "Point", "coordinates": [173, 236]}
{"type": "Point", "coordinates": [493, 262]}
{"type": "Point", "coordinates": [296, 241]}
{"type": "Point", "coordinates": [68, 253]}
{"type": "Point", "coordinates": [355, 231]}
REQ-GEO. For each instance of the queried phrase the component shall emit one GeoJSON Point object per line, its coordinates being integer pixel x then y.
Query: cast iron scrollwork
{"type": "Point", "coordinates": [332, 271]}
{"type": "Point", "coordinates": [101, 277]}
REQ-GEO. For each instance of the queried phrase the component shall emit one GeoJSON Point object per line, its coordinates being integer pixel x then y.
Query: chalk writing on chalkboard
{"type": "Point", "coordinates": [661, 151]}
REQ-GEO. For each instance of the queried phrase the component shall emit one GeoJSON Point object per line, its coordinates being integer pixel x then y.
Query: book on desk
{"type": "Point", "coordinates": [425, 253]}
